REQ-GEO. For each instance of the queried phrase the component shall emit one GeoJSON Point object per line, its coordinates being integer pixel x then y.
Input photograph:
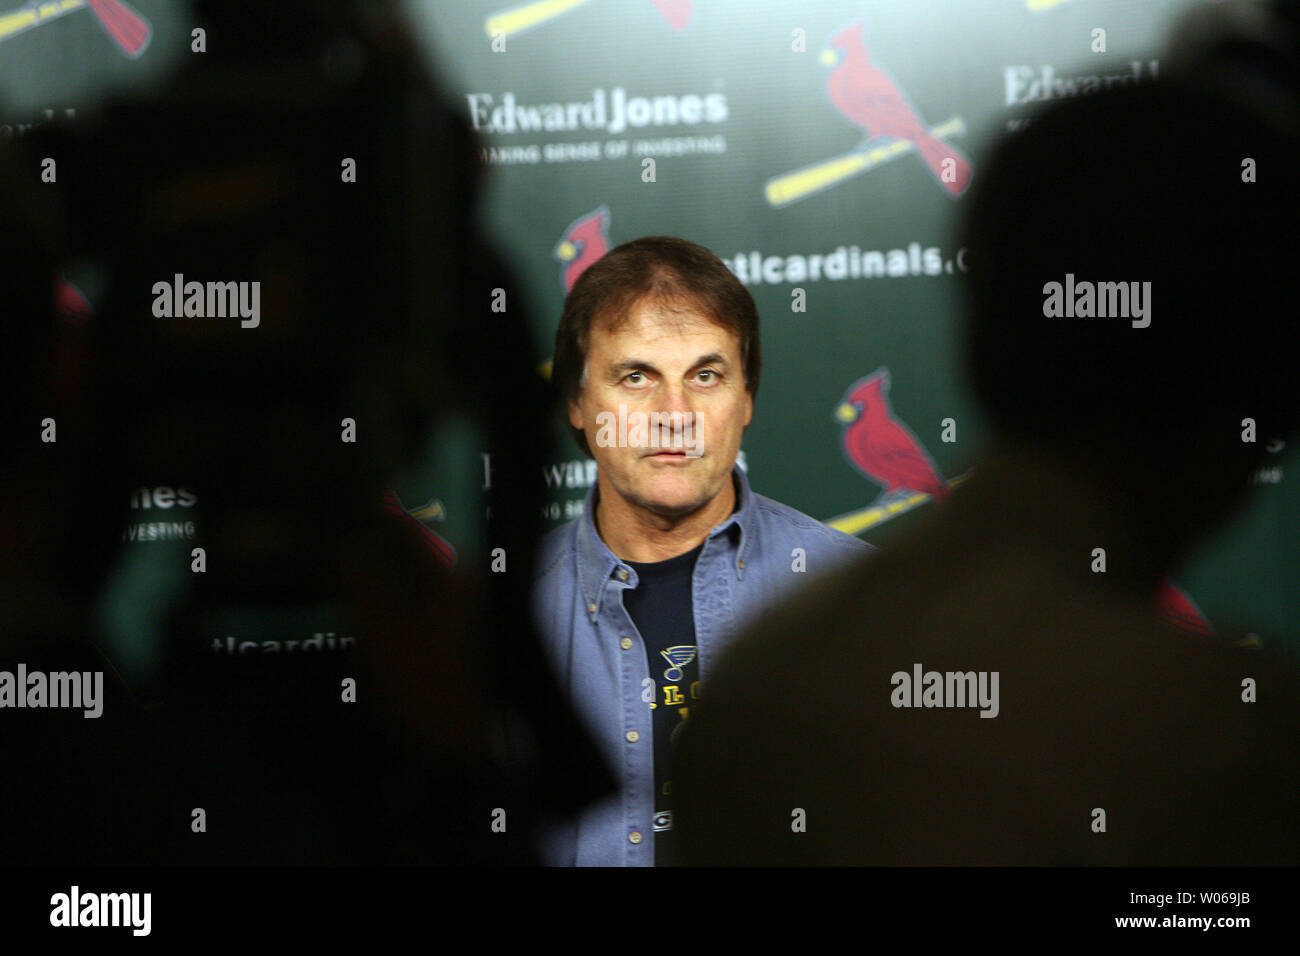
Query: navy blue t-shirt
{"type": "Point", "coordinates": [662, 608]}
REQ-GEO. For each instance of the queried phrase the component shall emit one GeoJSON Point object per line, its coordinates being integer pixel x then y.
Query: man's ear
{"type": "Point", "coordinates": [749, 407]}
{"type": "Point", "coordinates": [575, 416]}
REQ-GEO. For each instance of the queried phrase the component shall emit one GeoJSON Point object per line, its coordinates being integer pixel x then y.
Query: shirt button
{"type": "Point", "coordinates": [591, 608]}
{"type": "Point", "coordinates": [634, 836]}
{"type": "Point", "coordinates": [622, 574]}
{"type": "Point", "coordinates": [633, 736]}
{"type": "Point", "coordinates": [626, 643]}
{"type": "Point", "coordinates": [741, 564]}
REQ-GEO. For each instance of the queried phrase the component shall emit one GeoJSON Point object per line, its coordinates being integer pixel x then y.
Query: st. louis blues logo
{"type": "Point", "coordinates": [678, 657]}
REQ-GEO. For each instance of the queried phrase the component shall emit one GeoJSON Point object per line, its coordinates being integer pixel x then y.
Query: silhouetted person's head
{"type": "Point", "coordinates": [1184, 206]}
{"type": "Point", "coordinates": [57, 522]}
{"type": "Point", "coordinates": [29, 473]}
{"type": "Point", "coordinates": [287, 230]}
{"type": "Point", "coordinates": [29, 272]}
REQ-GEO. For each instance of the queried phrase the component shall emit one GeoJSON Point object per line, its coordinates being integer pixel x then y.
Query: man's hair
{"type": "Point", "coordinates": [662, 272]}
{"type": "Point", "coordinates": [1139, 184]}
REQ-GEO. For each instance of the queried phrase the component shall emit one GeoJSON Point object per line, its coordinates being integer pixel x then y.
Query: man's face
{"type": "Point", "coordinates": [669, 367]}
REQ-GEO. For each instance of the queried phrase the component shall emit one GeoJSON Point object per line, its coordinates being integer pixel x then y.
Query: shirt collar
{"type": "Point", "coordinates": [597, 564]}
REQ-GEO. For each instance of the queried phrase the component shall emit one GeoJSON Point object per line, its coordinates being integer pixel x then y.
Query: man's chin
{"type": "Point", "coordinates": [670, 502]}
{"type": "Point", "coordinates": [672, 509]}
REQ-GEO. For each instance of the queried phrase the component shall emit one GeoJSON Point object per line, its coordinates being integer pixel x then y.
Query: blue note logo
{"type": "Point", "coordinates": [677, 658]}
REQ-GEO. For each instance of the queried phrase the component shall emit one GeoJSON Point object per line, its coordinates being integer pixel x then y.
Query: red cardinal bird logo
{"type": "Point", "coordinates": [585, 241]}
{"type": "Point", "coordinates": [882, 447]}
{"type": "Point", "coordinates": [438, 546]}
{"type": "Point", "coordinates": [867, 97]}
{"type": "Point", "coordinates": [72, 350]}
{"type": "Point", "coordinates": [677, 12]}
{"type": "Point", "coordinates": [1180, 610]}
{"type": "Point", "coordinates": [70, 304]}
{"type": "Point", "coordinates": [129, 30]}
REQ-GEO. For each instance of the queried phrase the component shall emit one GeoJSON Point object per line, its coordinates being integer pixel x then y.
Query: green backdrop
{"type": "Point", "coordinates": [730, 98]}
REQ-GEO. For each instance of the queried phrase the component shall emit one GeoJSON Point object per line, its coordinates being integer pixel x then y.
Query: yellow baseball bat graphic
{"type": "Point", "coordinates": [855, 522]}
{"type": "Point", "coordinates": [25, 18]}
{"type": "Point", "coordinates": [792, 187]}
{"type": "Point", "coordinates": [1034, 6]}
{"type": "Point", "coordinates": [433, 509]}
{"type": "Point", "coordinates": [130, 31]}
{"type": "Point", "coordinates": [528, 15]}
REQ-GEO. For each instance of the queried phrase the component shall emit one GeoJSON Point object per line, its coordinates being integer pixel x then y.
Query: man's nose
{"type": "Point", "coordinates": [674, 397]}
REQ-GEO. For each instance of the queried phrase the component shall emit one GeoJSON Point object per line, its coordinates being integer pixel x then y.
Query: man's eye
{"type": "Point", "coordinates": [635, 378]}
{"type": "Point", "coordinates": [709, 375]}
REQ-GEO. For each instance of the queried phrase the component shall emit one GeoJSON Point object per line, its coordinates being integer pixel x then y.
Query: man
{"type": "Point", "coordinates": [657, 358]}
{"type": "Point", "coordinates": [1016, 699]}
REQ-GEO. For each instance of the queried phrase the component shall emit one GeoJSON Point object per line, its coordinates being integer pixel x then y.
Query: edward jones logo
{"type": "Point", "coordinates": [612, 112]}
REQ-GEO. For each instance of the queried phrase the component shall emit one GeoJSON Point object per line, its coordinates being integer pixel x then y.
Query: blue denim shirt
{"type": "Point", "coordinates": [747, 563]}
